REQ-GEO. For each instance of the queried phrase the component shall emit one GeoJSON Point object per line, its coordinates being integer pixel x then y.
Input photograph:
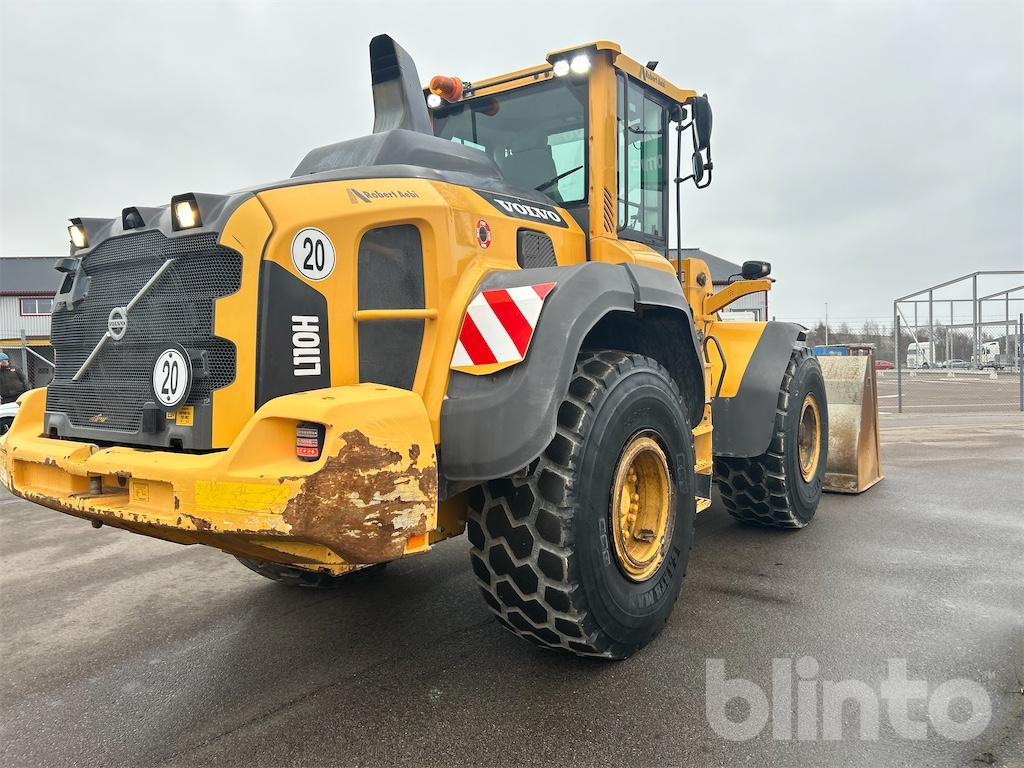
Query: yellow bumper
{"type": "Point", "coordinates": [371, 497]}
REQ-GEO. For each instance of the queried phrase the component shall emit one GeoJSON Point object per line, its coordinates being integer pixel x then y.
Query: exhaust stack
{"type": "Point", "coordinates": [397, 93]}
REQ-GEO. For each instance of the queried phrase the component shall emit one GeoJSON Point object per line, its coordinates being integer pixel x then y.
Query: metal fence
{"type": "Point", "coordinates": [953, 383]}
{"type": "Point", "coordinates": [957, 344]}
{"type": "Point", "coordinates": [942, 384]}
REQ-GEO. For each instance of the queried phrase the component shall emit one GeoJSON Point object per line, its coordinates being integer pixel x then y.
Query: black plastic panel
{"type": "Point", "coordinates": [289, 307]}
{"type": "Point", "coordinates": [390, 276]}
{"type": "Point", "coordinates": [390, 268]}
{"type": "Point", "coordinates": [534, 250]}
{"type": "Point", "coordinates": [389, 351]}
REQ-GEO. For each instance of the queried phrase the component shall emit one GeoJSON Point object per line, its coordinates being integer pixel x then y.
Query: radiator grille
{"type": "Point", "coordinates": [177, 309]}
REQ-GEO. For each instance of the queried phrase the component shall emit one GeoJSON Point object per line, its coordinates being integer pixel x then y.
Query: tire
{"type": "Point", "coordinates": [297, 577]}
{"type": "Point", "coordinates": [540, 539]}
{"type": "Point", "coordinates": [772, 489]}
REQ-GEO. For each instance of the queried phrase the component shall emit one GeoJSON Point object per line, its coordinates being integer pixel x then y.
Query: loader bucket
{"type": "Point", "coordinates": [854, 455]}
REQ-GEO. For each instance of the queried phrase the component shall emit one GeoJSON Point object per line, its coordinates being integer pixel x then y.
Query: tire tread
{"type": "Point", "coordinates": [743, 482]}
{"type": "Point", "coordinates": [555, 614]}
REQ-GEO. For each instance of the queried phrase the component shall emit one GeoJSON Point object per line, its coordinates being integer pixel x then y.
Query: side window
{"type": "Point", "coordinates": [642, 161]}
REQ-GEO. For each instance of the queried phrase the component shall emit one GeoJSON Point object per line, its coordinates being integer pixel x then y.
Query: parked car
{"type": "Point", "coordinates": [955, 363]}
{"type": "Point", "coordinates": [883, 365]}
{"type": "Point", "coordinates": [7, 413]}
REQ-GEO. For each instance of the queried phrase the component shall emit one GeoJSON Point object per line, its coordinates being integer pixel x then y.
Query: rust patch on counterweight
{"type": "Point", "coordinates": [366, 501]}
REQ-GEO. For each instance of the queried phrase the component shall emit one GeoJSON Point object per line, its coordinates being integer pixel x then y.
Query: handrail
{"type": "Point", "coordinates": [721, 354]}
{"type": "Point", "coordinates": [369, 315]}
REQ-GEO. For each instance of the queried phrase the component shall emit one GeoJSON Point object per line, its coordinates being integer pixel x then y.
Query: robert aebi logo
{"type": "Point", "coordinates": [368, 196]}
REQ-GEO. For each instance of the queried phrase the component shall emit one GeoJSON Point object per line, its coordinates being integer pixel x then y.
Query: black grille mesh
{"type": "Point", "coordinates": [535, 250]}
{"type": "Point", "coordinates": [177, 309]}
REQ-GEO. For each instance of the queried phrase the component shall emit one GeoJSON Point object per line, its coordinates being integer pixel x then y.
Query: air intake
{"type": "Point", "coordinates": [397, 94]}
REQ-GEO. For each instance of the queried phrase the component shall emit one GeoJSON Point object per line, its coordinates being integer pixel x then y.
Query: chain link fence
{"type": "Point", "coordinates": [938, 374]}
{"type": "Point", "coordinates": [926, 377]}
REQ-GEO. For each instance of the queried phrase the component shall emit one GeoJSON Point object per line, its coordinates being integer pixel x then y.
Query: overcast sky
{"type": "Point", "coordinates": [865, 149]}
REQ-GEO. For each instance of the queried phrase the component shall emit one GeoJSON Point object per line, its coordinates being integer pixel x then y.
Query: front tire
{"type": "Point", "coordinates": [781, 488]}
{"type": "Point", "coordinates": [585, 550]}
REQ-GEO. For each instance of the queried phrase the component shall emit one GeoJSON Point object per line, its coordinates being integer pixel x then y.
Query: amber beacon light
{"type": "Point", "coordinates": [448, 88]}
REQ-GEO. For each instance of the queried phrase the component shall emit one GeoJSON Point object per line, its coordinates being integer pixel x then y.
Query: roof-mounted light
{"type": "Point", "coordinates": [560, 68]}
{"type": "Point", "coordinates": [434, 101]}
{"type": "Point", "coordinates": [76, 231]}
{"type": "Point", "coordinates": [580, 64]}
{"type": "Point", "coordinates": [448, 88]}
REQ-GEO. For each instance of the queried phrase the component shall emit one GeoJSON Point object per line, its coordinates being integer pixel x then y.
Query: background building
{"type": "Point", "coordinates": [756, 304]}
{"type": "Point", "coordinates": [27, 286]}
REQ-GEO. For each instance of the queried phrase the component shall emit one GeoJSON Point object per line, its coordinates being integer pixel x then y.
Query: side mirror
{"type": "Point", "coordinates": [698, 168]}
{"type": "Point", "coordinates": [755, 270]}
{"type": "Point", "coordinates": [702, 121]}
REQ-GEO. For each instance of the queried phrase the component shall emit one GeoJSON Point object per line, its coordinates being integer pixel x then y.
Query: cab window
{"type": "Point", "coordinates": [642, 163]}
{"type": "Point", "coordinates": [535, 134]}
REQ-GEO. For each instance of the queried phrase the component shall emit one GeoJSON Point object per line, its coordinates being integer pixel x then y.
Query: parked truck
{"type": "Point", "coordinates": [465, 320]}
{"type": "Point", "coordinates": [919, 355]}
{"type": "Point", "coordinates": [991, 356]}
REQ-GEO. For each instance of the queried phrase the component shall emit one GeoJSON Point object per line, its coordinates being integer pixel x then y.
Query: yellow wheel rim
{"type": "Point", "coordinates": [809, 437]}
{"type": "Point", "coordinates": [642, 504]}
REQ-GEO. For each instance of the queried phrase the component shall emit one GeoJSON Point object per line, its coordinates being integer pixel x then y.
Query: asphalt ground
{"type": "Point", "coordinates": [119, 650]}
{"type": "Point", "coordinates": [957, 391]}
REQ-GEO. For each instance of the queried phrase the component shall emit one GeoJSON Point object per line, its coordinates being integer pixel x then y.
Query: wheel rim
{"type": "Point", "coordinates": [809, 438]}
{"type": "Point", "coordinates": [641, 513]}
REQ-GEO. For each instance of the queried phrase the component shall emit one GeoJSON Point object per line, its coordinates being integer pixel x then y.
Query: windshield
{"type": "Point", "coordinates": [535, 134]}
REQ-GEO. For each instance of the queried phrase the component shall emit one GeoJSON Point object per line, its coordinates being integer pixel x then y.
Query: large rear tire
{"type": "Point", "coordinates": [781, 487]}
{"type": "Point", "coordinates": [585, 550]}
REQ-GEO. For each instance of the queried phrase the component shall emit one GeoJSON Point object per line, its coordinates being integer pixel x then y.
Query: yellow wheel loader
{"type": "Point", "coordinates": [468, 320]}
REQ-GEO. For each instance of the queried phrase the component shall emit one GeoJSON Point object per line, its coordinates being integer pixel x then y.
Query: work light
{"type": "Point", "coordinates": [560, 68]}
{"type": "Point", "coordinates": [185, 212]}
{"type": "Point", "coordinates": [580, 64]}
{"type": "Point", "coordinates": [77, 233]}
{"type": "Point", "coordinates": [433, 100]}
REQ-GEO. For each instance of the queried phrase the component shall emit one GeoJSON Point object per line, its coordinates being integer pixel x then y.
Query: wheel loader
{"type": "Point", "coordinates": [469, 320]}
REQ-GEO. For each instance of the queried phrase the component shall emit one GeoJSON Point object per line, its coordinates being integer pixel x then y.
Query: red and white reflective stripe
{"type": "Point", "coordinates": [499, 324]}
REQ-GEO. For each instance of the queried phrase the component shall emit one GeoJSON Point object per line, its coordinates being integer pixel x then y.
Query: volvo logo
{"type": "Point", "coordinates": [117, 323]}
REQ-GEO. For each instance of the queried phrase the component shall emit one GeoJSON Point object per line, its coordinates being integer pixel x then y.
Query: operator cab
{"type": "Point", "coordinates": [546, 130]}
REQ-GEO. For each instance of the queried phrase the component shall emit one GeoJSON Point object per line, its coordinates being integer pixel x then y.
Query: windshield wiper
{"type": "Point", "coordinates": [559, 177]}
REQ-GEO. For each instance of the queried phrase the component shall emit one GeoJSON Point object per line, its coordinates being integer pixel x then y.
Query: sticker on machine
{"type": "Point", "coordinates": [172, 377]}
{"type": "Point", "coordinates": [313, 254]}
